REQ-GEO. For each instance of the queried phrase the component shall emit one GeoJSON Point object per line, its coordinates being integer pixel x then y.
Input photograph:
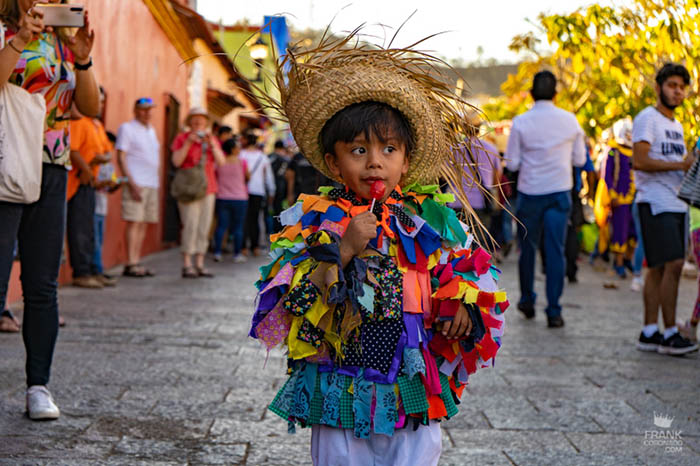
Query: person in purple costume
{"type": "Point", "coordinates": [486, 158]}
{"type": "Point", "coordinates": [619, 179]}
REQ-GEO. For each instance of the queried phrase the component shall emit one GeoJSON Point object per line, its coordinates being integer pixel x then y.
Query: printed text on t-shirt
{"type": "Point", "coordinates": [671, 148]}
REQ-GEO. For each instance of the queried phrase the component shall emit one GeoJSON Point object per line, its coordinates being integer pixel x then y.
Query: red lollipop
{"type": "Point", "coordinates": [377, 192]}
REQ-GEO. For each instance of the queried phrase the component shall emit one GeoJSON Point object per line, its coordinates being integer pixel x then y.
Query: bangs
{"type": "Point", "coordinates": [370, 119]}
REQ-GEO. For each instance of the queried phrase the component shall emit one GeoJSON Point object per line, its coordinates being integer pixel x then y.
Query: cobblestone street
{"type": "Point", "coordinates": [161, 371]}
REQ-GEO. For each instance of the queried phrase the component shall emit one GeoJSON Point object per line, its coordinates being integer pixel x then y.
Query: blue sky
{"type": "Point", "coordinates": [471, 24]}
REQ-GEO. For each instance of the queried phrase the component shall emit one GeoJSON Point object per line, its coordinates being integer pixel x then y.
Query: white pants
{"type": "Point", "coordinates": [339, 447]}
{"type": "Point", "coordinates": [196, 218]}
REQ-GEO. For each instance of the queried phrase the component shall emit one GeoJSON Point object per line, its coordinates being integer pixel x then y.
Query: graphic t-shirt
{"type": "Point", "coordinates": [46, 68]}
{"type": "Point", "coordinates": [665, 136]}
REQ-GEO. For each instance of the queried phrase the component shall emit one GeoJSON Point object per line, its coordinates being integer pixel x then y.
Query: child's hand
{"type": "Point", "coordinates": [460, 326]}
{"type": "Point", "coordinates": [361, 229]}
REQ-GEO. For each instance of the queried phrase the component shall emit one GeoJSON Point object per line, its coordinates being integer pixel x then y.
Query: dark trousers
{"type": "Point", "coordinates": [99, 228]}
{"type": "Point", "coordinates": [252, 222]}
{"type": "Point", "coordinates": [571, 250]}
{"type": "Point", "coordinates": [230, 215]}
{"type": "Point", "coordinates": [81, 231]}
{"type": "Point", "coordinates": [39, 229]}
{"type": "Point", "coordinates": [543, 215]}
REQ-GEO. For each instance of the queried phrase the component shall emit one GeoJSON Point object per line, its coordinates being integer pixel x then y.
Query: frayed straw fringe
{"type": "Point", "coordinates": [297, 70]}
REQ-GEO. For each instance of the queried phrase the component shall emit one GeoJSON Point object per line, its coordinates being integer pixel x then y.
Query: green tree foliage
{"type": "Point", "coordinates": [605, 59]}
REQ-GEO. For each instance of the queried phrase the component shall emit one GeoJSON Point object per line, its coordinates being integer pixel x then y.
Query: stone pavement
{"type": "Point", "coordinates": [161, 371]}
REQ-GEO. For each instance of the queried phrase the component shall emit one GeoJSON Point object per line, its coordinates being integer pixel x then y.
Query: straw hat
{"type": "Point", "coordinates": [341, 72]}
{"type": "Point", "coordinates": [196, 111]}
{"type": "Point", "coordinates": [325, 93]}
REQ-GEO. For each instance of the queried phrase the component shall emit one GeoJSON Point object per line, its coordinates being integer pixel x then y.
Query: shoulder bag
{"type": "Point", "coordinates": [22, 119]}
{"type": "Point", "coordinates": [190, 184]}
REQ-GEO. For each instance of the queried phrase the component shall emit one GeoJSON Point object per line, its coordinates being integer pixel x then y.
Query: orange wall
{"type": "Point", "coordinates": [132, 58]}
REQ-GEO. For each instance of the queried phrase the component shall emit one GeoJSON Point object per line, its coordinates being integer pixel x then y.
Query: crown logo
{"type": "Point", "coordinates": [663, 421]}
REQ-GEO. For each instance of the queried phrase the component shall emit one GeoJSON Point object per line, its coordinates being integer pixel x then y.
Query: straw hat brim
{"type": "Point", "coordinates": [321, 95]}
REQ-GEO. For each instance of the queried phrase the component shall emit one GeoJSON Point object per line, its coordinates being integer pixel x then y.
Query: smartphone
{"type": "Point", "coordinates": [58, 15]}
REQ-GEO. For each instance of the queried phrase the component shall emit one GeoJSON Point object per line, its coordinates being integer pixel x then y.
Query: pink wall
{"type": "Point", "coordinates": [132, 58]}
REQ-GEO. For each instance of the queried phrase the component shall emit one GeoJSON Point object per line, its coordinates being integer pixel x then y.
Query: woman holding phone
{"type": "Point", "coordinates": [47, 61]}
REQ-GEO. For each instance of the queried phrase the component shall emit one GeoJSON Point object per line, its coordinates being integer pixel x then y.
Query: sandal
{"type": "Point", "coordinates": [147, 271]}
{"type": "Point", "coordinates": [8, 322]}
{"type": "Point", "coordinates": [134, 270]}
{"type": "Point", "coordinates": [189, 272]}
{"type": "Point", "coordinates": [202, 272]}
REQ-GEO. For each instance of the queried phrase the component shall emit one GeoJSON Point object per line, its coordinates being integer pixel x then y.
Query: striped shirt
{"type": "Point", "coordinates": [665, 136]}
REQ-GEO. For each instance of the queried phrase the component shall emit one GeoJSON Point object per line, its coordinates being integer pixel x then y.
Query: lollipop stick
{"type": "Point", "coordinates": [371, 209]}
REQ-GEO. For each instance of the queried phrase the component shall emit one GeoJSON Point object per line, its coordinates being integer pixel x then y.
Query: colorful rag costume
{"type": "Point", "coordinates": [619, 179]}
{"type": "Point", "coordinates": [363, 349]}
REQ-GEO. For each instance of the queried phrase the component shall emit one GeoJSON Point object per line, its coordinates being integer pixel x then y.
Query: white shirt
{"type": "Point", "coordinates": [260, 172]}
{"type": "Point", "coordinates": [544, 144]}
{"type": "Point", "coordinates": [142, 149]}
{"type": "Point", "coordinates": [665, 137]}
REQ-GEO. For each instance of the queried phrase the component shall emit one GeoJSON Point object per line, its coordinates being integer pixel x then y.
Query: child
{"type": "Point", "coordinates": [619, 179]}
{"type": "Point", "coordinates": [383, 302]}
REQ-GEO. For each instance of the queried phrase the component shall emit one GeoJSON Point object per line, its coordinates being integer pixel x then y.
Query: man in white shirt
{"type": "Point", "coordinates": [659, 157]}
{"type": "Point", "coordinates": [545, 144]}
{"type": "Point", "coordinates": [261, 190]}
{"type": "Point", "coordinates": [138, 153]}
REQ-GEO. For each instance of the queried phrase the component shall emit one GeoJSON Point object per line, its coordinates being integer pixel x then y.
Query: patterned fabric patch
{"type": "Point", "coordinates": [388, 298]}
{"type": "Point", "coordinates": [316, 403]}
{"type": "Point", "coordinates": [334, 227]}
{"type": "Point", "coordinates": [283, 277]}
{"type": "Point", "coordinates": [412, 394]}
{"type": "Point", "coordinates": [385, 414]}
{"type": "Point", "coordinates": [379, 342]}
{"type": "Point", "coordinates": [413, 362]}
{"type": "Point", "coordinates": [274, 328]}
{"type": "Point", "coordinates": [447, 396]}
{"type": "Point", "coordinates": [361, 404]}
{"type": "Point", "coordinates": [300, 298]}
{"type": "Point", "coordinates": [310, 334]}
{"type": "Point", "coordinates": [332, 385]}
{"type": "Point", "coordinates": [282, 404]}
{"type": "Point", "coordinates": [347, 418]}
{"type": "Point", "coordinates": [303, 392]}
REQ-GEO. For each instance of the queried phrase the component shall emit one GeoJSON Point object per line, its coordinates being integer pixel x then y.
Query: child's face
{"type": "Point", "coordinates": [362, 162]}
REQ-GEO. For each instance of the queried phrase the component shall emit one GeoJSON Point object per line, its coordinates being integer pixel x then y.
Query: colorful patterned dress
{"type": "Point", "coordinates": [362, 346]}
{"type": "Point", "coordinates": [46, 67]}
{"type": "Point", "coordinates": [619, 179]}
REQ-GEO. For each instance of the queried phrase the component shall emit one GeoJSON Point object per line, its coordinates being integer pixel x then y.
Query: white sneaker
{"type": "Point", "coordinates": [637, 284]}
{"type": "Point", "coordinates": [217, 257]}
{"type": "Point", "coordinates": [240, 258]}
{"type": "Point", "coordinates": [40, 404]}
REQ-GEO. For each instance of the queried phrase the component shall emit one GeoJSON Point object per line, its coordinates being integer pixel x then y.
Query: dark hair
{"type": "Point", "coordinates": [370, 118]}
{"type": "Point", "coordinates": [672, 69]}
{"type": "Point", "coordinates": [229, 145]}
{"type": "Point", "coordinates": [279, 144]}
{"type": "Point", "coordinates": [544, 86]}
{"type": "Point", "coordinates": [223, 129]}
{"type": "Point", "coordinates": [112, 137]}
{"type": "Point", "coordinates": [249, 139]}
